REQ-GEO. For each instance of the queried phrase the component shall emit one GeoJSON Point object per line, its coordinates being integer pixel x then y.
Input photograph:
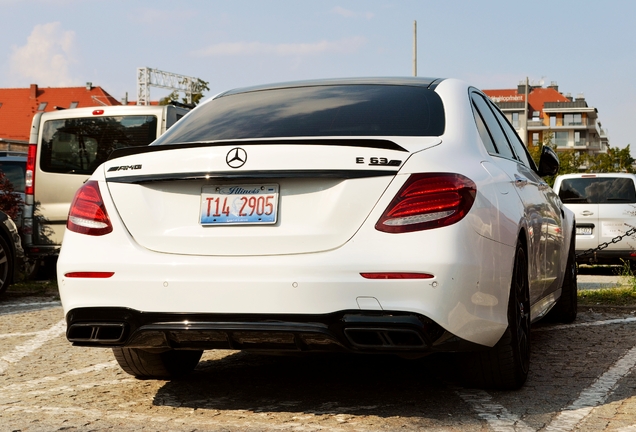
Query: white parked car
{"type": "Point", "coordinates": [605, 208]}
{"type": "Point", "coordinates": [398, 215]}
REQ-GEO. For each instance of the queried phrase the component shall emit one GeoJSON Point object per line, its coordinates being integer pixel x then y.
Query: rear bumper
{"type": "Point", "coordinates": [606, 256]}
{"type": "Point", "coordinates": [467, 295]}
{"type": "Point", "coordinates": [349, 331]}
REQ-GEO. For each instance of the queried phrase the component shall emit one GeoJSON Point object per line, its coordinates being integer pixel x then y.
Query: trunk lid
{"type": "Point", "coordinates": [321, 192]}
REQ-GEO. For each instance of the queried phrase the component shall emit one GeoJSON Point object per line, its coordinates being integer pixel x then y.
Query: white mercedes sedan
{"type": "Point", "coordinates": [376, 215]}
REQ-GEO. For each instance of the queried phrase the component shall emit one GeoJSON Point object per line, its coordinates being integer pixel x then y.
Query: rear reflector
{"type": "Point", "coordinates": [386, 275]}
{"type": "Point", "coordinates": [431, 200]}
{"type": "Point", "coordinates": [93, 275]}
{"type": "Point", "coordinates": [88, 214]}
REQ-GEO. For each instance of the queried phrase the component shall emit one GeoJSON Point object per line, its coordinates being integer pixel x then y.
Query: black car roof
{"type": "Point", "coordinates": [429, 83]}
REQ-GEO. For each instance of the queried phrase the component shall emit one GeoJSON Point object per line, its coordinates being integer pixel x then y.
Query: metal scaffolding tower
{"type": "Point", "coordinates": [147, 77]}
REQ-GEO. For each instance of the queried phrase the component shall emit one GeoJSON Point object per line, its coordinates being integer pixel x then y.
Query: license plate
{"type": "Point", "coordinates": [239, 204]}
{"type": "Point", "coordinates": [583, 230]}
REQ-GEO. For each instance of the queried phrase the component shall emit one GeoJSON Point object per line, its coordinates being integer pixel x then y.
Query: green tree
{"type": "Point", "coordinates": [615, 160]}
{"type": "Point", "coordinates": [200, 86]}
{"type": "Point", "coordinates": [571, 161]}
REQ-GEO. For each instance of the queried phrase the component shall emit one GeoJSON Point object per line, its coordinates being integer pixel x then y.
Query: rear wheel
{"type": "Point", "coordinates": [148, 364]}
{"type": "Point", "coordinates": [505, 366]}
{"type": "Point", "coordinates": [566, 307]}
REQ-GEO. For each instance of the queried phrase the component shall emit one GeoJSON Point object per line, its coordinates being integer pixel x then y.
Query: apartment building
{"type": "Point", "coordinates": [535, 111]}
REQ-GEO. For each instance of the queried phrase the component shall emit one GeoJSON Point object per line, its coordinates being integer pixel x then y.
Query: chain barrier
{"type": "Point", "coordinates": [606, 244]}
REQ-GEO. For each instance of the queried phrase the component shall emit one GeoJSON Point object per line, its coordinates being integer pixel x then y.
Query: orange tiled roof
{"type": "Point", "coordinates": [18, 105]}
{"type": "Point", "coordinates": [539, 96]}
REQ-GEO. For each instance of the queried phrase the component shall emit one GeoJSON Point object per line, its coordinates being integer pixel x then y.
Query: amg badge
{"type": "Point", "coordinates": [124, 168]}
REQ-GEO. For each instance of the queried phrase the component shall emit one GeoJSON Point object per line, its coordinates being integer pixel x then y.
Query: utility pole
{"type": "Point", "coordinates": [525, 117]}
{"type": "Point", "coordinates": [414, 48]}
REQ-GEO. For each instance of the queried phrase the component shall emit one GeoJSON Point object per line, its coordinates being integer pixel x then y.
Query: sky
{"type": "Point", "coordinates": [586, 47]}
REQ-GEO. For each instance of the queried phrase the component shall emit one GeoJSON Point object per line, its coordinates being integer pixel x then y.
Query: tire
{"type": "Point", "coordinates": [165, 365]}
{"type": "Point", "coordinates": [566, 307]}
{"type": "Point", "coordinates": [505, 366]}
{"type": "Point", "coordinates": [6, 265]}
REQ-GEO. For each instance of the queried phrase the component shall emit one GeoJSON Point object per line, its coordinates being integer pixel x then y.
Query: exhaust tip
{"type": "Point", "coordinates": [384, 338]}
{"type": "Point", "coordinates": [96, 332]}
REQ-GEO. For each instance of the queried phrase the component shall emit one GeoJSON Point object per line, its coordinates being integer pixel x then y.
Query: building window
{"type": "Point", "coordinates": [515, 120]}
{"type": "Point", "coordinates": [561, 139]}
{"type": "Point", "coordinates": [535, 138]}
{"type": "Point", "coordinates": [74, 104]}
{"type": "Point", "coordinates": [552, 121]}
{"type": "Point", "coordinates": [572, 120]}
{"type": "Point", "coordinates": [42, 106]}
{"type": "Point", "coordinates": [579, 137]}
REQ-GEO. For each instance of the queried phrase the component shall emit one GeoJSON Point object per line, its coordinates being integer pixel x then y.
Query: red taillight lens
{"type": "Point", "coordinates": [89, 275]}
{"type": "Point", "coordinates": [88, 214]}
{"type": "Point", "coordinates": [393, 275]}
{"type": "Point", "coordinates": [426, 201]}
{"type": "Point", "coordinates": [29, 181]}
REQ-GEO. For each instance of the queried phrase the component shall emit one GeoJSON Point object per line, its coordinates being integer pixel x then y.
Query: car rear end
{"type": "Point", "coordinates": [605, 209]}
{"type": "Point", "coordinates": [276, 231]}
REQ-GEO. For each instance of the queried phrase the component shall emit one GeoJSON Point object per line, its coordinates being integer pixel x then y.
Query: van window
{"type": "Point", "coordinates": [599, 190]}
{"type": "Point", "coordinates": [79, 145]}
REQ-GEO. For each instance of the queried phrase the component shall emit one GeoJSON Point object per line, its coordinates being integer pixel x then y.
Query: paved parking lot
{"type": "Point", "coordinates": [582, 378]}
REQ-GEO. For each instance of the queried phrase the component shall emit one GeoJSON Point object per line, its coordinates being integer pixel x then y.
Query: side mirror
{"type": "Point", "coordinates": [548, 163]}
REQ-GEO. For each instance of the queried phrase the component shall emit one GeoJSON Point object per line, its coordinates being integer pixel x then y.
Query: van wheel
{"type": "Point", "coordinates": [165, 365]}
{"type": "Point", "coordinates": [566, 307]}
{"type": "Point", "coordinates": [6, 266]}
{"type": "Point", "coordinates": [505, 366]}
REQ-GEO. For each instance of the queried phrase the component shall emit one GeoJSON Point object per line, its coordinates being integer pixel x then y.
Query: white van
{"type": "Point", "coordinates": [605, 208]}
{"type": "Point", "coordinates": [65, 148]}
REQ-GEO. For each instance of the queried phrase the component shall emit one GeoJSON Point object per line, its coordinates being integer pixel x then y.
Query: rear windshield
{"type": "Point", "coordinates": [79, 145]}
{"type": "Point", "coordinates": [601, 190]}
{"type": "Point", "coordinates": [342, 110]}
{"type": "Point", "coordinates": [14, 171]}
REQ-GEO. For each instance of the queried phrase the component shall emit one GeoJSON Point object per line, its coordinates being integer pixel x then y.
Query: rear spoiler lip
{"type": "Point", "coordinates": [234, 175]}
{"type": "Point", "coordinates": [384, 144]}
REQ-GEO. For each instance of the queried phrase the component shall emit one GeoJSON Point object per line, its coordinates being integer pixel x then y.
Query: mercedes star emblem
{"type": "Point", "coordinates": [236, 157]}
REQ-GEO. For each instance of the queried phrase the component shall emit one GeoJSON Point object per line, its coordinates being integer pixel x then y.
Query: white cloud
{"type": "Point", "coordinates": [351, 14]}
{"type": "Point", "coordinates": [343, 12]}
{"type": "Point", "coordinates": [46, 57]}
{"type": "Point", "coordinates": [343, 46]}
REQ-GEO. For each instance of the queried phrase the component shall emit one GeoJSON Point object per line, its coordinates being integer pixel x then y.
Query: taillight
{"type": "Point", "coordinates": [29, 181]}
{"type": "Point", "coordinates": [426, 201]}
{"type": "Point", "coordinates": [89, 275]}
{"type": "Point", "coordinates": [88, 214]}
{"type": "Point", "coordinates": [394, 275]}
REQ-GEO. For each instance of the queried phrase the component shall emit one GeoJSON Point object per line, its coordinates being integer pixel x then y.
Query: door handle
{"type": "Point", "coordinates": [520, 181]}
{"type": "Point", "coordinates": [587, 213]}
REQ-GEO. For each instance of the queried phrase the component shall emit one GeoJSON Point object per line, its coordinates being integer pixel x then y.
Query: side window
{"type": "Point", "coordinates": [499, 138]}
{"type": "Point", "coordinates": [483, 132]}
{"type": "Point", "coordinates": [513, 138]}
